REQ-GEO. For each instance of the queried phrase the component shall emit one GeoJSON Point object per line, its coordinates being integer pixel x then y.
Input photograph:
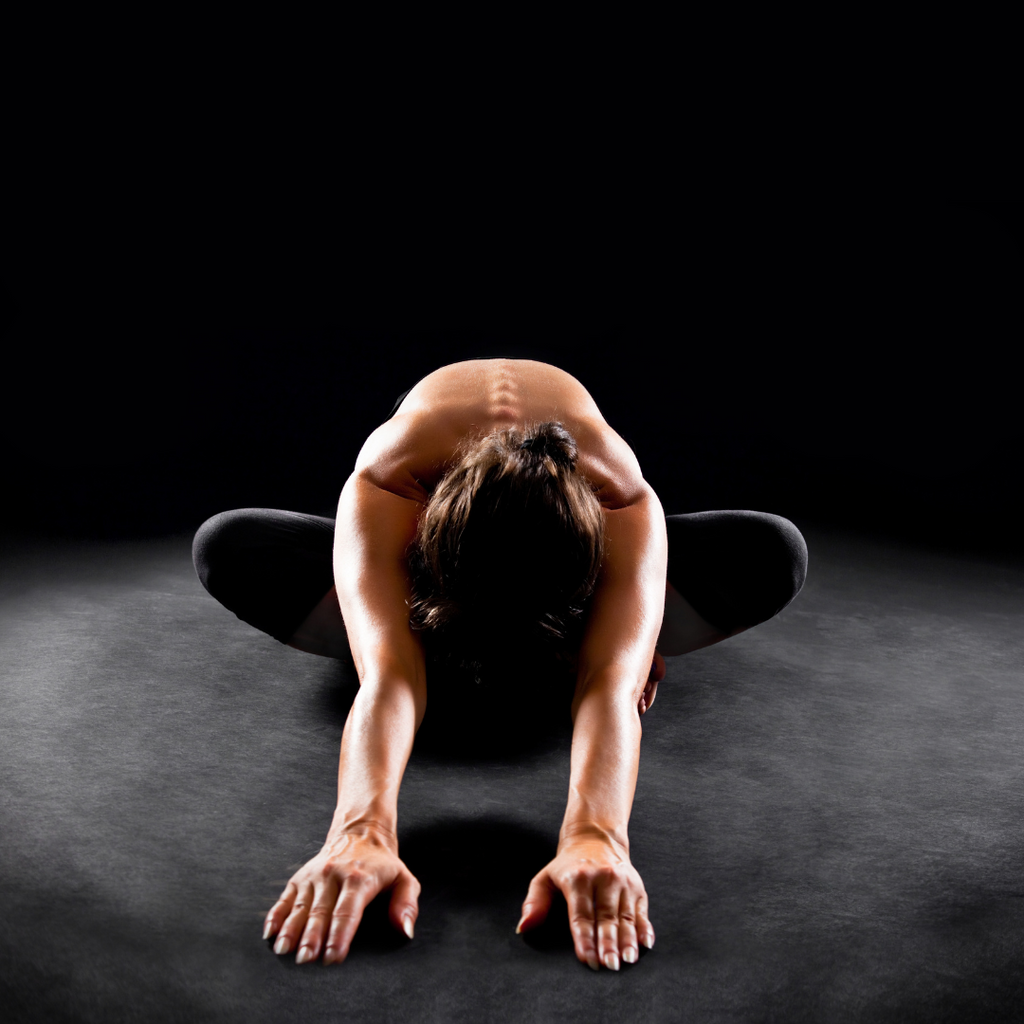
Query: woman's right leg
{"type": "Point", "coordinates": [274, 570]}
{"type": "Point", "coordinates": [323, 630]}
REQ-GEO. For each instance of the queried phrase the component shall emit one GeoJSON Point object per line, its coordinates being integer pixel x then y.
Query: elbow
{"type": "Point", "coordinates": [612, 694]}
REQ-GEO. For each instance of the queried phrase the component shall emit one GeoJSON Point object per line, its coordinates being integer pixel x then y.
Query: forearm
{"type": "Point", "coordinates": [613, 668]}
{"type": "Point", "coordinates": [375, 748]}
{"type": "Point", "coordinates": [604, 763]}
{"type": "Point", "coordinates": [323, 902]}
{"type": "Point", "coordinates": [606, 898]}
{"type": "Point", "coordinates": [374, 528]}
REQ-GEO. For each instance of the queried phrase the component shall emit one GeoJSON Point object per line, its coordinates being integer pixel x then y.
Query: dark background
{"type": "Point", "coordinates": [847, 364]}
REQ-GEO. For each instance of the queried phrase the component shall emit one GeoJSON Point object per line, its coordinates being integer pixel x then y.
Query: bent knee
{"type": "Point", "coordinates": [782, 563]}
{"type": "Point", "coordinates": [219, 541]}
{"type": "Point", "coordinates": [792, 550]}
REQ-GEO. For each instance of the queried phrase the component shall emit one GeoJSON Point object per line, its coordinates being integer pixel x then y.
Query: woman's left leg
{"type": "Point", "coordinates": [728, 571]}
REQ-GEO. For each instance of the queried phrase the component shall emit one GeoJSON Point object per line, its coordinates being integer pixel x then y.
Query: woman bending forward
{"type": "Point", "coordinates": [495, 502]}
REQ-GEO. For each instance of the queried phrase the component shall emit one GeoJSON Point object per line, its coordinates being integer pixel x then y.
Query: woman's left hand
{"type": "Point", "coordinates": [606, 899]}
{"type": "Point", "coordinates": [656, 675]}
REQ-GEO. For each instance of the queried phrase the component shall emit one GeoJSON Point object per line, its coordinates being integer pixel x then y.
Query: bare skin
{"type": "Point", "coordinates": [682, 631]}
{"type": "Point", "coordinates": [635, 617]}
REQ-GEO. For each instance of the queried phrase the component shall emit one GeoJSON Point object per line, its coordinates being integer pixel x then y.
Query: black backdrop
{"type": "Point", "coordinates": [840, 363]}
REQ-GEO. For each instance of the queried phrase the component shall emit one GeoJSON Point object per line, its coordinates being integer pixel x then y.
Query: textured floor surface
{"type": "Point", "coordinates": [828, 816]}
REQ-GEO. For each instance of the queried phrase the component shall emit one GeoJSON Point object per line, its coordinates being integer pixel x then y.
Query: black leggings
{"type": "Point", "coordinates": [271, 568]}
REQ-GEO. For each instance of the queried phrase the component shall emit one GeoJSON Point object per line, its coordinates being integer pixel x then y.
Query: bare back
{"type": "Point", "coordinates": [412, 451]}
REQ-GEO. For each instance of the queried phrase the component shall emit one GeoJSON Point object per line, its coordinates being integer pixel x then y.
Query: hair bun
{"type": "Point", "coordinates": [552, 441]}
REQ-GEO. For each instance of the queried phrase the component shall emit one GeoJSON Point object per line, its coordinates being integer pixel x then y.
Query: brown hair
{"type": "Point", "coordinates": [508, 548]}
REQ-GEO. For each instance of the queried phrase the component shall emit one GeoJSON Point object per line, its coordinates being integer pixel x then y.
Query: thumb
{"type": "Point", "coordinates": [537, 902]}
{"type": "Point", "coordinates": [404, 907]}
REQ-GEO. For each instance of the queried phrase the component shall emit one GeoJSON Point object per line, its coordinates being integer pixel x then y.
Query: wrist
{"type": "Point", "coordinates": [377, 831]}
{"type": "Point", "coordinates": [589, 831]}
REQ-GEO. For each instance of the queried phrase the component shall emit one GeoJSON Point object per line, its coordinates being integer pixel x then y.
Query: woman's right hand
{"type": "Point", "coordinates": [323, 903]}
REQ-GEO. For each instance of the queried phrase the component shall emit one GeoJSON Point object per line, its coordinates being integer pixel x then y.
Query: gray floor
{"type": "Point", "coordinates": [828, 817]}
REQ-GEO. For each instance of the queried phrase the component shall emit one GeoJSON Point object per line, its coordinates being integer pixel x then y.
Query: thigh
{"type": "Point", "coordinates": [269, 566]}
{"type": "Point", "coordinates": [735, 567]}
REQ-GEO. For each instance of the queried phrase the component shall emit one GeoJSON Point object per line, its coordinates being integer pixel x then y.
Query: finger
{"type": "Point", "coordinates": [581, 922]}
{"type": "Point", "coordinates": [317, 922]}
{"type": "Point", "coordinates": [645, 933]}
{"type": "Point", "coordinates": [658, 668]}
{"type": "Point", "coordinates": [628, 943]}
{"type": "Point", "coordinates": [404, 907]}
{"type": "Point", "coordinates": [295, 922]}
{"type": "Point", "coordinates": [279, 911]}
{"type": "Point", "coordinates": [356, 893]}
{"type": "Point", "coordinates": [606, 912]}
{"type": "Point", "coordinates": [650, 693]}
{"type": "Point", "coordinates": [537, 902]}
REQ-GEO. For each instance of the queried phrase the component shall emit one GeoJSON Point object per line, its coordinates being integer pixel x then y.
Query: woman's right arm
{"type": "Point", "coordinates": [323, 903]}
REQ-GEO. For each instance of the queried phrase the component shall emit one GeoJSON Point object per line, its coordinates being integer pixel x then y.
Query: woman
{"type": "Point", "coordinates": [495, 501]}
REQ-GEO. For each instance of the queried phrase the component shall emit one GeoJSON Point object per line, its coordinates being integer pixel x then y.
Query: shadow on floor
{"type": "Point", "coordinates": [510, 715]}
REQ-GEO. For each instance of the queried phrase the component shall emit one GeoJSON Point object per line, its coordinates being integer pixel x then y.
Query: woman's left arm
{"type": "Point", "coordinates": [605, 895]}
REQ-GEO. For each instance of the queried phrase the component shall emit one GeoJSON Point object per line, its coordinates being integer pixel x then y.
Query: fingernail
{"type": "Point", "coordinates": [519, 927]}
{"type": "Point", "coordinates": [281, 945]}
{"type": "Point", "coordinates": [304, 954]}
{"type": "Point", "coordinates": [407, 925]}
{"type": "Point", "coordinates": [611, 961]}
{"type": "Point", "coordinates": [267, 929]}
{"type": "Point", "coordinates": [648, 940]}
{"type": "Point", "coordinates": [629, 954]}
{"type": "Point", "coordinates": [593, 964]}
